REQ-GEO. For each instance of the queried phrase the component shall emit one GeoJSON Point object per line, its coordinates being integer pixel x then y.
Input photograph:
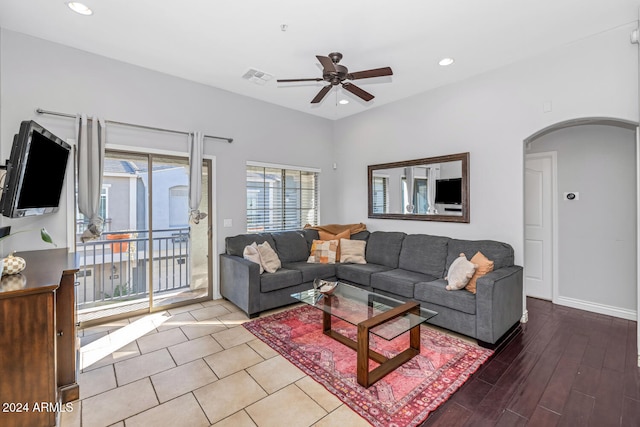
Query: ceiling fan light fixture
{"type": "Point", "coordinates": [343, 102]}
{"type": "Point", "coordinates": [336, 74]}
{"type": "Point", "coordinates": [80, 8]}
{"type": "Point", "coordinates": [446, 61]}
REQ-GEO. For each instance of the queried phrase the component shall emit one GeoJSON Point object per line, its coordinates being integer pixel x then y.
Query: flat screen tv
{"type": "Point", "coordinates": [449, 191]}
{"type": "Point", "coordinates": [35, 172]}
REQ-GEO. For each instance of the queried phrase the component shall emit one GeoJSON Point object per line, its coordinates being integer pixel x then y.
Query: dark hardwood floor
{"type": "Point", "coordinates": [566, 367]}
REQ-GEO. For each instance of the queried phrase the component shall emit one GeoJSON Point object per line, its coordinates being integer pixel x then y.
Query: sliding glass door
{"type": "Point", "coordinates": [180, 269]}
{"type": "Point", "coordinates": [149, 256]}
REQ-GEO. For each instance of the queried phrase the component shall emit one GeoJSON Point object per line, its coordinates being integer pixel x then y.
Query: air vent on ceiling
{"type": "Point", "coordinates": [256, 76]}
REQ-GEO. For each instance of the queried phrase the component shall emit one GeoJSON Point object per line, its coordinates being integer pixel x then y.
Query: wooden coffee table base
{"type": "Point", "coordinates": [365, 377]}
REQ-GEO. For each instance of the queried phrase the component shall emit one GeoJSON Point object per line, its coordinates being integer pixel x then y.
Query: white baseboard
{"type": "Point", "coordinates": [622, 313]}
{"type": "Point", "coordinates": [525, 317]}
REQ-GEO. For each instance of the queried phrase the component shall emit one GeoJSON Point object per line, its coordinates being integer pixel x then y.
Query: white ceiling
{"type": "Point", "coordinates": [216, 42]}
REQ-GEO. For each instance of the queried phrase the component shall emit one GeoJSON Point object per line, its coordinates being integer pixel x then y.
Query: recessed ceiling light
{"type": "Point", "coordinates": [343, 102]}
{"type": "Point", "coordinates": [446, 61]}
{"type": "Point", "coordinates": [80, 8]}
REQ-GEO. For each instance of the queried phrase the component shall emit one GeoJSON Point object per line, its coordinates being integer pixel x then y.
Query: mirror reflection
{"type": "Point", "coordinates": [431, 189]}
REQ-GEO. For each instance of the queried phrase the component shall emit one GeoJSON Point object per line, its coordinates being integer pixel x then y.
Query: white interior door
{"type": "Point", "coordinates": [538, 217]}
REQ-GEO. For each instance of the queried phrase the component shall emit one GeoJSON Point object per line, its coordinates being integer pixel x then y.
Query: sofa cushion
{"type": "Point", "coordinates": [283, 278]}
{"type": "Point", "coordinates": [291, 246]}
{"type": "Point", "coordinates": [234, 245]}
{"type": "Point", "coordinates": [434, 292]}
{"type": "Point", "coordinates": [361, 235]}
{"type": "Point", "coordinates": [398, 281]}
{"type": "Point", "coordinates": [312, 271]}
{"type": "Point", "coordinates": [310, 235]}
{"type": "Point", "coordinates": [359, 273]}
{"type": "Point", "coordinates": [500, 253]}
{"type": "Point", "coordinates": [425, 254]}
{"type": "Point", "coordinates": [383, 247]}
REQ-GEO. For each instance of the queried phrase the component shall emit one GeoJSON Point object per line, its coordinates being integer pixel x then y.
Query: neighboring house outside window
{"type": "Point", "coordinates": [178, 206]}
{"type": "Point", "coordinates": [281, 198]}
{"type": "Point", "coordinates": [104, 201]}
{"type": "Point", "coordinates": [82, 221]}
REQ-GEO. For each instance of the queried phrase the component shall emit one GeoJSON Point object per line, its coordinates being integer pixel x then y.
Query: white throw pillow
{"type": "Point", "coordinates": [269, 258]}
{"type": "Point", "coordinates": [460, 271]}
{"type": "Point", "coordinates": [352, 251]}
{"type": "Point", "coordinates": [251, 253]}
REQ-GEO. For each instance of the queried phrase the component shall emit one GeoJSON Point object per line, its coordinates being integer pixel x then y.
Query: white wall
{"type": "Point", "coordinates": [597, 232]}
{"type": "Point", "coordinates": [489, 116]}
{"type": "Point", "coordinates": [37, 73]}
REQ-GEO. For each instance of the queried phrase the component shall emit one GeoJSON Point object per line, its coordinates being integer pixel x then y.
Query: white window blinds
{"type": "Point", "coordinates": [380, 194]}
{"type": "Point", "coordinates": [281, 199]}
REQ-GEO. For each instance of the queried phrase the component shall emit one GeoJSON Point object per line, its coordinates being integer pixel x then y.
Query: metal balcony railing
{"type": "Point", "coordinates": [121, 265]}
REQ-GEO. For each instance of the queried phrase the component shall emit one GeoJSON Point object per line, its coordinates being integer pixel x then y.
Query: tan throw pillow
{"type": "Point", "coordinates": [485, 266]}
{"type": "Point", "coordinates": [460, 271]}
{"type": "Point", "coordinates": [251, 253]}
{"type": "Point", "coordinates": [269, 258]}
{"type": "Point", "coordinates": [346, 234]}
{"type": "Point", "coordinates": [352, 251]}
{"type": "Point", "coordinates": [323, 252]}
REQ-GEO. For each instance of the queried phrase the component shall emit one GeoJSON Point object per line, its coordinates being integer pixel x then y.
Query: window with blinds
{"type": "Point", "coordinates": [380, 194]}
{"type": "Point", "coordinates": [280, 199]}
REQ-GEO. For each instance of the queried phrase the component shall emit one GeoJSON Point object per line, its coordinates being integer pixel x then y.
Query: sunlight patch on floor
{"type": "Point", "coordinates": [97, 350]}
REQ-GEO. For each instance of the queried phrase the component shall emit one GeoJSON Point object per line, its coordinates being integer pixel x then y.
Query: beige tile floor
{"type": "Point", "coordinates": [194, 366]}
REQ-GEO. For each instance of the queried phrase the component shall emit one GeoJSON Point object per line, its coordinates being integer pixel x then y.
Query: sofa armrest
{"type": "Point", "coordinates": [240, 283]}
{"type": "Point", "coordinates": [498, 302]}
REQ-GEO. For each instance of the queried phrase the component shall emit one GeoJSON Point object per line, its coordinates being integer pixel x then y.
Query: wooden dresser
{"type": "Point", "coordinates": [38, 340]}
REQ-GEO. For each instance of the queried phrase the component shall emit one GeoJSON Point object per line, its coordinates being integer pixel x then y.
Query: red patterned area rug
{"type": "Point", "coordinates": [403, 398]}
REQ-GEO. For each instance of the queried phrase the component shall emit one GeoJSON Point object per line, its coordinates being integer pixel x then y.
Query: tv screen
{"type": "Point", "coordinates": [449, 191]}
{"type": "Point", "coordinates": [35, 172]}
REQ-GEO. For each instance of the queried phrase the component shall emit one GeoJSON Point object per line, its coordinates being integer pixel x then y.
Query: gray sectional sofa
{"type": "Point", "coordinates": [404, 266]}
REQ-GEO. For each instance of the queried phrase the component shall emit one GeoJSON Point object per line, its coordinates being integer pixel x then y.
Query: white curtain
{"type": "Point", "coordinates": [409, 177]}
{"type": "Point", "coordinates": [196, 147]}
{"type": "Point", "coordinates": [90, 168]}
{"type": "Point", "coordinates": [433, 174]}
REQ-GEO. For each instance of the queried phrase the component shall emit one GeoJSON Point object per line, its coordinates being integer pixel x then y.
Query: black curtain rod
{"type": "Point", "coordinates": [73, 116]}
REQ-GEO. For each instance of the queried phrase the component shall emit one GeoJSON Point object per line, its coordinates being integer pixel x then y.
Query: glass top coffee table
{"type": "Point", "coordinates": [371, 313]}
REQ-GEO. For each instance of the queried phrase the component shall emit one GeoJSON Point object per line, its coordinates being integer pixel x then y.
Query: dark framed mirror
{"type": "Point", "coordinates": [430, 189]}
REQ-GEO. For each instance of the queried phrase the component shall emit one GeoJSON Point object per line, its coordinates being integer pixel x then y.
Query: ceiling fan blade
{"type": "Point", "coordinates": [317, 79]}
{"type": "Point", "coordinates": [327, 64]}
{"type": "Point", "coordinates": [376, 72]}
{"type": "Point", "coordinates": [357, 91]}
{"type": "Point", "coordinates": [323, 92]}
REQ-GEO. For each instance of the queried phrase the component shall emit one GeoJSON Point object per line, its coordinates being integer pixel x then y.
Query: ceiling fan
{"type": "Point", "coordinates": [336, 74]}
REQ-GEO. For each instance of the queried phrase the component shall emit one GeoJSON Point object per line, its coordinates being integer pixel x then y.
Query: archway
{"type": "Point", "coordinates": [590, 129]}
